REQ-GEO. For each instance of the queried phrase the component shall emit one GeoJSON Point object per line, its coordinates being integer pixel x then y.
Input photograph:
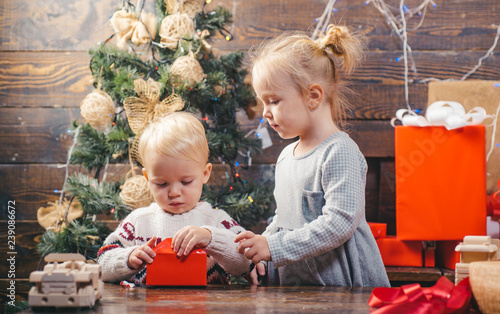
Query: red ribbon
{"type": "Point", "coordinates": [442, 298]}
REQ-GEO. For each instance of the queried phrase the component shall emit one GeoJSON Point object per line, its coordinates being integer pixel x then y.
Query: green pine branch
{"type": "Point", "coordinates": [97, 197]}
{"type": "Point", "coordinates": [81, 235]}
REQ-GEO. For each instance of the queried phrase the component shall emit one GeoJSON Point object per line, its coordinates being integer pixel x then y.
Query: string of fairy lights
{"type": "Point", "coordinates": [396, 17]}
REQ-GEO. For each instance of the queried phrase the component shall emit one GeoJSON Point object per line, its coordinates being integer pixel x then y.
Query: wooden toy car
{"type": "Point", "coordinates": [71, 283]}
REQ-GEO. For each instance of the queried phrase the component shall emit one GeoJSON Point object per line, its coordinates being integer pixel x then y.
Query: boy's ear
{"type": "Point", "coordinates": [206, 172]}
{"type": "Point", "coordinates": [145, 174]}
{"type": "Point", "coordinates": [315, 96]}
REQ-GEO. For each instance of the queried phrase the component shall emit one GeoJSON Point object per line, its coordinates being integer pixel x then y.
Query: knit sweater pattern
{"type": "Point", "coordinates": [145, 223]}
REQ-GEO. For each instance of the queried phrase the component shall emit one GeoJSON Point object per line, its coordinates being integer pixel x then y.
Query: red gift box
{"type": "Point", "coordinates": [168, 269]}
{"type": "Point", "coordinates": [440, 182]}
{"type": "Point", "coordinates": [395, 252]}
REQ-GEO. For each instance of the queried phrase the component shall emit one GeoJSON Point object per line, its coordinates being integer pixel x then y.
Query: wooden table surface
{"type": "Point", "coordinates": [230, 299]}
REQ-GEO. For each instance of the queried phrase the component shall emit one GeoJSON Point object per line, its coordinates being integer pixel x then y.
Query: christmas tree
{"type": "Point", "coordinates": [153, 65]}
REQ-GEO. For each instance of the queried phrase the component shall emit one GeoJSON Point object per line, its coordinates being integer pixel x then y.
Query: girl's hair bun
{"type": "Point", "coordinates": [333, 39]}
{"type": "Point", "coordinates": [342, 43]}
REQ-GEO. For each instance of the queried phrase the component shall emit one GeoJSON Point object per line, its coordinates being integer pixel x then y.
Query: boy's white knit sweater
{"type": "Point", "coordinates": [144, 223]}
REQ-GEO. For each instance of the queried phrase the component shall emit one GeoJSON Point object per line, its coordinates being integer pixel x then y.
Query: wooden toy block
{"type": "Point", "coordinates": [168, 269]}
{"type": "Point", "coordinates": [72, 283]}
{"type": "Point", "coordinates": [475, 249]}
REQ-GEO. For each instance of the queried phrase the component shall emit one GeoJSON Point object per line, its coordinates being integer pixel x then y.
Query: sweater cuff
{"type": "Point", "coordinates": [119, 269]}
{"type": "Point", "coordinates": [275, 247]}
{"type": "Point", "coordinates": [218, 243]}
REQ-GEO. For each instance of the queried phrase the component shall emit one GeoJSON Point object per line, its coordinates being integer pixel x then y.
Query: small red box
{"type": "Point", "coordinates": [440, 182]}
{"type": "Point", "coordinates": [404, 253]}
{"type": "Point", "coordinates": [378, 229]}
{"type": "Point", "coordinates": [168, 269]}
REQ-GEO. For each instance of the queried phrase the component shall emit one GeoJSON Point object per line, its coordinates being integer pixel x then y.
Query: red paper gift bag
{"type": "Point", "coordinates": [168, 269]}
{"type": "Point", "coordinates": [440, 182]}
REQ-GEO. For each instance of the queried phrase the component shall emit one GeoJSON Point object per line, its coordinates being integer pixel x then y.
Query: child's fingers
{"type": "Point", "coordinates": [254, 278]}
{"type": "Point", "coordinates": [144, 256]}
{"type": "Point", "coordinates": [134, 262]}
{"type": "Point", "coordinates": [261, 269]}
{"type": "Point", "coordinates": [149, 251]}
{"type": "Point", "coordinates": [178, 238]}
{"type": "Point", "coordinates": [152, 242]}
{"type": "Point", "coordinates": [189, 246]}
{"type": "Point", "coordinates": [243, 245]}
{"type": "Point", "coordinates": [244, 235]}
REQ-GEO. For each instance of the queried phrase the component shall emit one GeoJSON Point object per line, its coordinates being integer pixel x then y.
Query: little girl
{"type": "Point", "coordinates": [319, 235]}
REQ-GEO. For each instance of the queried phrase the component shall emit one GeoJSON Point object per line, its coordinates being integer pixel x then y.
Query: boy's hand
{"type": "Point", "coordinates": [142, 254]}
{"type": "Point", "coordinates": [258, 249]}
{"type": "Point", "coordinates": [188, 237]}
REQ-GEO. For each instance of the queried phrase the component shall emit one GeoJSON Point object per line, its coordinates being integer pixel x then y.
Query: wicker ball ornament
{"type": "Point", "coordinates": [97, 109]}
{"type": "Point", "coordinates": [173, 27]}
{"type": "Point", "coordinates": [136, 193]}
{"type": "Point", "coordinates": [187, 68]}
{"type": "Point", "coordinates": [192, 7]}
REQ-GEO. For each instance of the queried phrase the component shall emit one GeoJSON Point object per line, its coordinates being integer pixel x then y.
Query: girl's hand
{"type": "Point", "coordinates": [143, 254]}
{"type": "Point", "coordinates": [188, 237]}
{"type": "Point", "coordinates": [258, 270]}
{"type": "Point", "coordinates": [258, 249]}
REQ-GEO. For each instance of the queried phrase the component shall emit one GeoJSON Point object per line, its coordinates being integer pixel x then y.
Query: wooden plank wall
{"type": "Point", "coordinates": [44, 75]}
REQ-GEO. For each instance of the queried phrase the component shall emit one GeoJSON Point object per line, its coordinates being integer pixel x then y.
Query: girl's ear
{"type": "Point", "coordinates": [145, 174]}
{"type": "Point", "coordinates": [206, 172]}
{"type": "Point", "coordinates": [315, 96]}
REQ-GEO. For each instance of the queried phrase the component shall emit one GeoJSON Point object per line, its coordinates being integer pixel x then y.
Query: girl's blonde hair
{"type": "Point", "coordinates": [309, 62]}
{"type": "Point", "coordinates": [179, 135]}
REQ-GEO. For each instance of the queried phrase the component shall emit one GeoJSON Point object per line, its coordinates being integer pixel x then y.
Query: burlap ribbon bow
{"type": "Point", "coordinates": [56, 216]}
{"type": "Point", "coordinates": [128, 27]}
{"type": "Point", "coordinates": [147, 108]}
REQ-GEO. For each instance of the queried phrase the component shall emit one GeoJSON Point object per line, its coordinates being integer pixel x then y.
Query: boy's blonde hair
{"type": "Point", "coordinates": [309, 62]}
{"type": "Point", "coordinates": [179, 135]}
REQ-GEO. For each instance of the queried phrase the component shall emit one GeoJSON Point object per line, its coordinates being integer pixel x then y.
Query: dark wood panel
{"type": "Point", "coordinates": [372, 189]}
{"type": "Point", "coordinates": [451, 25]}
{"type": "Point", "coordinates": [62, 79]}
{"type": "Point", "coordinates": [39, 135]}
{"type": "Point", "coordinates": [35, 135]}
{"type": "Point", "coordinates": [78, 25]}
{"type": "Point", "coordinates": [26, 257]}
{"type": "Point", "coordinates": [387, 197]}
{"type": "Point", "coordinates": [54, 25]}
{"type": "Point", "coordinates": [44, 79]}
{"type": "Point", "coordinates": [375, 138]}
{"type": "Point", "coordinates": [32, 186]}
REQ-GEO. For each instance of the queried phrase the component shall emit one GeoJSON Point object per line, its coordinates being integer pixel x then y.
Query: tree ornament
{"type": "Point", "coordinates": [173, 27]}
{"type": "Point", "coordinates": [147, 108]}
{"type": "Point", "coordinates": [55, 217]}
{"type": "Point", "coordinates": [128, 27]}
{"type": "Point", "coordinates": [172, 6]}
{"type": "Point", "coordinates": [135, 192]}
{"type": "Point", "coordinates": [191, 7]}
{"type": "Point", "coordinates": [204, 44]}
{"type": "Point", "coordinates": [97, 109]}
{"type": "Point", "coordinates": [187, 68]}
